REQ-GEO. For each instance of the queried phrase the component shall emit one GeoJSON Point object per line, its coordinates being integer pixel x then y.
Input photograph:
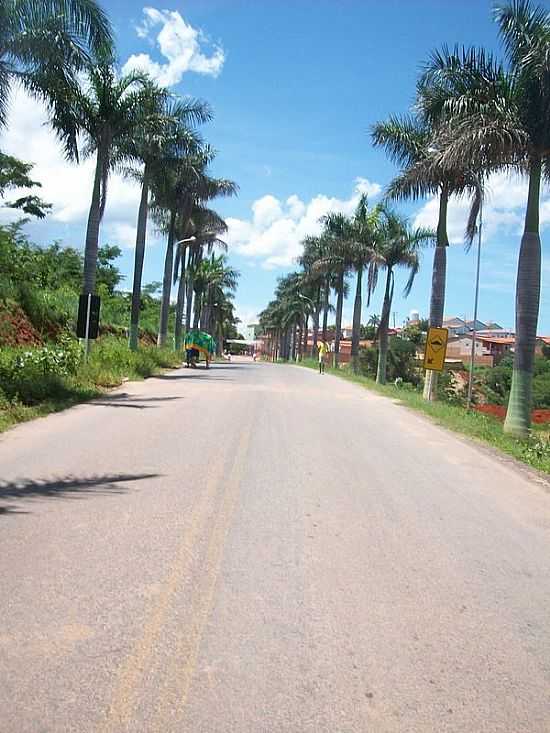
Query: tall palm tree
{"type": "Point", "coordinates": [396, 246]}
{"type": "Point", "coordinates": [412, 143]}
{"type": "Point", "coordinates": [365, 226]}
{"type": "Point", "coordinates": [43, 45]}
{"type": "Point", "coordinates": [213, 280]}
{"type": "Point", "coordinates": [172, 205]}
{"type": "Point", "coordinates": [312, 253]}
{"type": "Point", "coordinates": [164, 134]}
{"type": "Point", "coordinates": [195, 188]}
{"type": "Point", "coordinates": [205, 227]}
{"type": "Point", "coordinates": [106, 111]}
{"type": "Point", "coordinates": [338, 236]}
{"type": "Point", "coordinates": [500, 120]}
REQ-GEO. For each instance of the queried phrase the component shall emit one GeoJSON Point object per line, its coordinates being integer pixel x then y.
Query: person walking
{"type": "Point", "coordinates": [323, 349]}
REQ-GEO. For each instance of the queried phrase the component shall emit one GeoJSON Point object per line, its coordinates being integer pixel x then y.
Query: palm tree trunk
{"type": "Point", "coordinates": [138, 262]}
{"type": "Point", "coordinates": [437, 298]}
{"type": "Point", "coordinates": [167, 283]}
{"type": "Point", "coordinates": [197, 256]}
{"type": "Point", "coordinates": [178, 334]}
{"type": "Point", "coordinates": [356, 328]}
{"type": "Point", "coordinates": [518, 415]}
{"type": "Point", "coordinates": [383, 330]}
{"type": "Point", "coordinates": [325, 307]}
{"type": "Point", "coordinates": [197, 311]}
{"type": "Point", "coordinates": [189, 304]}
{"type": "Point", "coordinates": [339, 308]}
{"type": "Point", "coordinates": [92, 231]}
{"type": "Point", "coordinates": [316, 314]}
{"type": "Point", "coordinates": [306, 334]}
{"type": "Point", "coordinates": [219, 345]}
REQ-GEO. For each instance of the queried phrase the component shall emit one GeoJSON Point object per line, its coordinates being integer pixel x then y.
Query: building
{"type": "Point", "coordinates": [488, 351]}
{"type": "Point", "coordinates": [457, 326]}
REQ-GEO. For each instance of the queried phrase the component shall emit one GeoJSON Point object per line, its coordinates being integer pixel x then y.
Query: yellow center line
{"type": "Point", "coordinates": [180, 670]}
{"type": "Point", "coordinates": [122, 709]}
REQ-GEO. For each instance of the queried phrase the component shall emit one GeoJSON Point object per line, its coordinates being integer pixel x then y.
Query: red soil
{"type": "Point", "coordinates": [16, 329]}
{"type": "Point", "coordinates": [499, 411]}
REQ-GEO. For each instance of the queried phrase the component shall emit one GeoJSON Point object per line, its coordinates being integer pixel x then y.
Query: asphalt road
{"type": "Point", "coordinates": [258, 548]}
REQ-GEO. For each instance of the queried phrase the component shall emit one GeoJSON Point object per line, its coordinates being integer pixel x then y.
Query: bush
{"type": "Point", "coordinates": [448, 389]}
{"type": "Point", "coordinates": [31, 375]}
{"type": "Point", "coordinates": [496, 383]}
{"type": "Point", "coordinates": [401, 361]}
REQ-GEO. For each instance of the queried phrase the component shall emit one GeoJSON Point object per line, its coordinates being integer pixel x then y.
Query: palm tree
{"type": "Point", "coordinates": [364, 232]}
{"type": "Point", "coordinates": [204, 227]}
{"type": "Point", "coordinates": [163, 136]}
{"type": "Point", "coordinates": [500, 121]}
{"type": "Point", "coordinates": [412, 143]}
{"type": "Point", "coordinates": [289, 313]}
{"type": "Point", "coordinates": [173, 193]}
{"type": "Point", "coordinates": [214, 279]}
{"type": "Point", "coordinates": [44, 44]}
{"type": "Point", "coordinates": [312, 253]}
{"type": "Point", "coordinates": [194, 187]}
{"type": "Point", "coordinates": [374, 320]}
{"type": "Point", "coordinates": [338, 236]}
{"type": "Point", "coordinates": [396, 246]}
{"type": "Point", "coordinates": [106, 112]}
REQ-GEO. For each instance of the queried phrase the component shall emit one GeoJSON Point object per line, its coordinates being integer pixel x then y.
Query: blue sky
{"type": "Point", "coordinates": [295, 87]}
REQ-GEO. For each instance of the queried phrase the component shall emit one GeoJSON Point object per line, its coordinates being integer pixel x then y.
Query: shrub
{"type": "Point", "coordinates": [401, 361]}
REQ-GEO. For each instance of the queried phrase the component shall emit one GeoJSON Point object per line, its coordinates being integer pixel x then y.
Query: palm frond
{"type": "Point", "coordinates": [404, 138]}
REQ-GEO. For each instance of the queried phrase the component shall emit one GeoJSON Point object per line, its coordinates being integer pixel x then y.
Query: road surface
{"type": "Point", "coordinates": [261, 549]}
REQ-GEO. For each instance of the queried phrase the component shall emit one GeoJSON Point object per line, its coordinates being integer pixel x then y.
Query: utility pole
{"type": "Point", "coordinates": [476, 298]}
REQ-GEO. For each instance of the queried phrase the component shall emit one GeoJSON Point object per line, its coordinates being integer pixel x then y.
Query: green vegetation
{"type": "Point", "coordinates": [37, 381]}
{"type": "Point", "coordinates": [534, 450]}
{"type": "Point", "coordinates": [496, 382]}
{"type": "Point", "coordinates": [42, 367]}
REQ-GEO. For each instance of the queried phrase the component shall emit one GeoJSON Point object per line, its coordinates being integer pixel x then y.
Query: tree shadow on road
{"type": "Point", "coordinates": [10, 509]}
{"type": "Point", "coordinates": [134, 402]}
{"type": "Point", "coordinates": [66, 487]}
{"type": "Point", "coordinates": [202, 375]}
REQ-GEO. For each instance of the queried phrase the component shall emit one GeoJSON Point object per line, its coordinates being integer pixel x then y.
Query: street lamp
{"type": "Point", "coordinates": [183, 241]}
{"type": "Point", "coordinates": [304, 297]}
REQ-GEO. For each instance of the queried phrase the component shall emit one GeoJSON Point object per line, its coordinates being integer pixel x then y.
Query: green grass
{"type": "Point", "coordinates": [28, 394]}
{"type": "Point", "coordinates": [535, 451]}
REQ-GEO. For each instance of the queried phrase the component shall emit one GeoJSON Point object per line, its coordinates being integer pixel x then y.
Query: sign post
{"type": "Point", "coordinates": [87, 327]}
{"type": "Point", "coordinates": [436, 349]}
{"type": "Point", "coordinates": [87, 334]}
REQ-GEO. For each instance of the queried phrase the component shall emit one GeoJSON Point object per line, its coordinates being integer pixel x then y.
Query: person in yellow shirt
{"type": "Point", "coordinates": [322, 347]}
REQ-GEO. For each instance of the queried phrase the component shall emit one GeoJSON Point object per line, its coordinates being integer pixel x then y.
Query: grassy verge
{"type": "Point", "coordinates": [32, 385]}
{"type": "Point", "coordinates": [535, 451]}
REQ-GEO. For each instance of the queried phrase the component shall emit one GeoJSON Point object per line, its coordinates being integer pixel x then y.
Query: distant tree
{"type": "Point", "coordinates": [151, 289]}
{"type": "Point", "coordinates": [413, 334]}
{"type": "Point", "coordinates": [368, 332]}
{"type": "Point", "coordinates": [14, 174]}
{"type": "Point", "coordinates": [107, 273]}
{"type": "Point", "coordinates": [424, 324]}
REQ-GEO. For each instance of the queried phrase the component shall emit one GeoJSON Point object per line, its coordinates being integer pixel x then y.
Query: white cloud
{"type": "Point", "coordinates": [276, 228]}
{"type": "Point", "coordinates": [67, 186]}
{"type": "Point", "coordinates": [180, 44]}
{"type": "Point", "coordinates": [503, 213]}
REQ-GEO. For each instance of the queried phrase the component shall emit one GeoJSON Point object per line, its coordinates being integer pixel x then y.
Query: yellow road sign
{"type": "Point", "coordinates": [436, 348]}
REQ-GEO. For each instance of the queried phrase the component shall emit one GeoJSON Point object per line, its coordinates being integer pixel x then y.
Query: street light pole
{"type": "Point", "coordinates": [184, 241]}
{"type": "Point", "coordinates": [471, 377]}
